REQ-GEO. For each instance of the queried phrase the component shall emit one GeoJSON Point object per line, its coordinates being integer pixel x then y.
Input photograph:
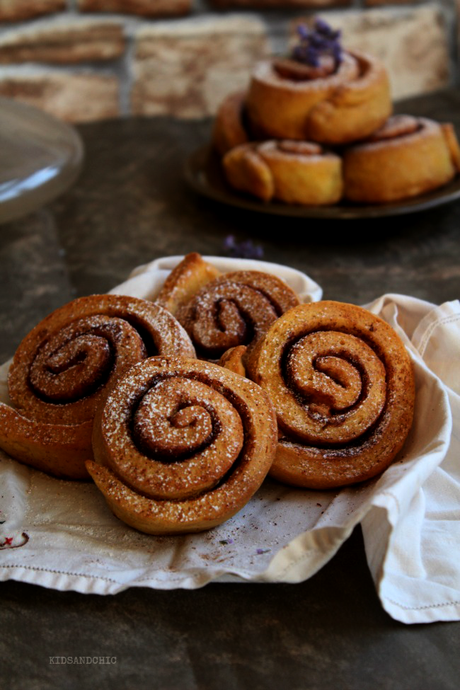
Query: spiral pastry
{"type": "Point", "coordinates": [406, 157]}
{"type": "Point", "coordinates": [184, 281]}
{"type": "Point", "coordinates": [295, 172]}
{"type": "Point", "coordinates": [235, 309]}
{"type": "Point", "coordinates": [339, 104]}
{"type": "Point", "coordinates": [63, 368]}
{"type": "Point", "coordinates": [181, 445]}
{"type": "Point", "coordinates": [342, 384]}
{"type": "Point", "coordinates": [229, 128]}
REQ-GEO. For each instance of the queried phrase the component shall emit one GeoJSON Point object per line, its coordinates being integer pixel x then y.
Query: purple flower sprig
{"type": "Point", "coordinates": [316, 42]}
{"type": "Point", "coordinates": [244, 250]}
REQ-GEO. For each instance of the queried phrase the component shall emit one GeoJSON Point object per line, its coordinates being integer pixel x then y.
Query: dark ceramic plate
{"type": "Point", "coordinates": [204, 174]}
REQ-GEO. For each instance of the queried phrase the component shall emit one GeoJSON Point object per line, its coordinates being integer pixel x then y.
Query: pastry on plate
{"type": "Point", "coordinates": [342, 384]}
{"type": "Point", "coordinates": [294, 172]}
{"type": "Point", "coordinates": [229, 127]}
{"type": "Point", "coordinates": [63, 369]}
{"type": "Point", "coordinates": [182, 445]}
{"type": "Point", "coordinates": [406, 157]}
{"type": "Point", "coordinates": [321, 92]}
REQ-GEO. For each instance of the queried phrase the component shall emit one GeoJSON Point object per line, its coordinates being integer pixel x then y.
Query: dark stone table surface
{"type": "Point", "coordinates": [129, 206]}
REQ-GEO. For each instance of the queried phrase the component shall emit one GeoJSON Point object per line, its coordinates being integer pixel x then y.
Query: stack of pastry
{"type": "Point", "coordinates": [179, 408]}
{"type": "Point", "coordinates": [317, 127]}
{"type": "Point", "coordinates": [339, 377]}
{"type": "Point", "coordinates": [64, 368]}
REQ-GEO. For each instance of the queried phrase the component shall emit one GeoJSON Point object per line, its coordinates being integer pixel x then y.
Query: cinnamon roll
{"type": "Point", "coordinates": [342, 385]}
{"type": "Point", "coordinates": [63, 369]}
{"type": "Point", "coordinates": [406, 157]}
{"type": "Point", "coordinates": [236, 309]}
{"type": "Point", "coordinates": [229, 128]}
{"type": "Point", "coordinates": [329, 95]}
{"type": "Point", "coordinates": [182, 445]}
{"type": "Point", "coordinates": [184, 281]}
{"type": "Point", "coordinates": [293, 172]}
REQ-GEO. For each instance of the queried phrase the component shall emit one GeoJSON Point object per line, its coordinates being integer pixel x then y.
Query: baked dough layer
{"type": "Point", "coordinates": [229, 128]}
{"type": "Point", "coordinates": [290, 171]}
{"type": "Point", "coordinates": [407, 157]}
{"type": "Point", "coordinates": [342, 107]}
{"type": "Point", "coordinates": [343, 388]}
{"type": "Point", "coordinates": [182, 445]}
{"type": "Point", "coordinates": [63, 369]}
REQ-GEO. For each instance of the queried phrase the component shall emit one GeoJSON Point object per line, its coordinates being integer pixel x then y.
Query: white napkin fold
{"type": "Point", "coordinates": [415, 557]}
{"type": "Point", "coordinates": [66, 538]}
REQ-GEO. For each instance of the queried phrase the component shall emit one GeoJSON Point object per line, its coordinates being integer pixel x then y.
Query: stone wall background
{"type": "Point", "coordinates": [83, 60]}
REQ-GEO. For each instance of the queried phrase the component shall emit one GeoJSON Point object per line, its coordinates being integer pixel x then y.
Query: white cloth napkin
{"type": "Point", "coordinates": [60, 534]}
{"type": "Point", "coordinates": [414, 552]}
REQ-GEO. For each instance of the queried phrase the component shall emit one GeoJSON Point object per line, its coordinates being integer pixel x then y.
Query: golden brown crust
{"type": "Point", "coordinates": [182, 445]}
{"type": "Point", "coordinates": [290, 171]}
{"type": "Point", "coordinates": [235, 309]}
{"type": "Point", "coordinates": [63, 368]}
{"type": "Point", "coordinates": [246, 171]}
{"type": "Point", "coordinates": [60, 450]}
{"type": "Point", "coordinates": [302, 173]}
{"type": "Point", "coordinates": [450, 136]}
{"type": "Point", "coordinates": [229, 129]}
{"type": "Point", "coordinates": [184, 281]}
{"type": "Point", "coordinates": [342, 384]}
{"type": "Point", "coordinates": [335, 109]}
{"type": "Point", "coordinates": [233, 359]}
{"type": "Point", "coordinates": [392, 164]}
{"type": "Point", "coordinates": [356, 109]}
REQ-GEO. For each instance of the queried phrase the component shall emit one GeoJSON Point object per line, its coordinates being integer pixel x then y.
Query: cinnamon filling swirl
{"type": "Point", "coordinates": [63, 369]}
{"type": "Point", "coordinates": [297, 71]}
{"type": "Point", "coordinates": [181, 445]}
{"type": "Point", "coordinates": [343, 390]}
